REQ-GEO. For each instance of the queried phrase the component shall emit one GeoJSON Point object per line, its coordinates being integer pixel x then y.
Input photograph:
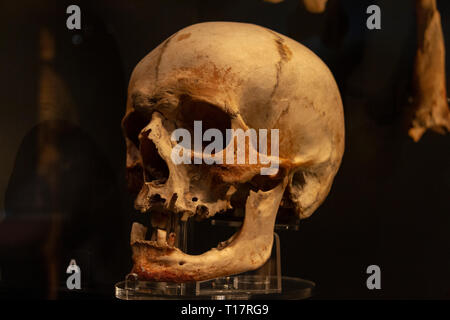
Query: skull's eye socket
{"type": "Point", "coordinates": [133, 125]}
{"type": "Point", "coordinates": [211, 117]}
{"type": "Point", "coordinates": [152, 167]}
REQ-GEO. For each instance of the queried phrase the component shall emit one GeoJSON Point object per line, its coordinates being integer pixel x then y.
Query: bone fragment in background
{"type": "Point", "coordinates": [430, 97]}
{"type": "Point", "coordinates": [274, 1]}
{"type": "Point", "coordinates": [315, 6]}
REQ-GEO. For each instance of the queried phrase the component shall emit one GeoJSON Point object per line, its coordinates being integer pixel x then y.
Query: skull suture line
{"type": "Point", "coordinates": [229, 76]}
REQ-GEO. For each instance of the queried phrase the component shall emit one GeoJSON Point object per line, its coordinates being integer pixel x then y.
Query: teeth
{"type": "Point", "coordinates": [138, 232]}
{"type": "Point", "coordinates": [171, 239]}
{"type": "Point", "coordinates": [161, 237]}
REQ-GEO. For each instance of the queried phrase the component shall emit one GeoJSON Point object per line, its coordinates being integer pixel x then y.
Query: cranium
{"type": "Point", "coordinates": [228, 75]}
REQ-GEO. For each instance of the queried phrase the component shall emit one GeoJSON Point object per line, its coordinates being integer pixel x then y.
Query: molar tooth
{"type": "Point", "coordinates": [138, 232]}
{"type": "Point", "coordinates": [171, 239]}
{"type": "Point", "coordinates": [161, 237]}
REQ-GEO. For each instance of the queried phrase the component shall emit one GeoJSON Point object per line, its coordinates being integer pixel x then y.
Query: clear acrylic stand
{"type": "Point", "coordinates": [263, 283]}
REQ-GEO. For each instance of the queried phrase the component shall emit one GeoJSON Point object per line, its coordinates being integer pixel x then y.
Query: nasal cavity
{"type": "Point", "coordinates": [155, 168]}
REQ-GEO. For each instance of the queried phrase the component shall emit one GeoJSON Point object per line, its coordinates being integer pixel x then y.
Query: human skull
{"type": "Point", "coordinates": [227, 75]}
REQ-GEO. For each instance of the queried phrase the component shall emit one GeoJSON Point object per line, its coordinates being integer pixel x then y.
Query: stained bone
{"type": "Point", "coordinates": [138, 231]}
{"type": "Point", "coordinates": [250, 248]}
{"type": "Point", "coordinates": [315, 6]}
{"type": "Point", "coordinates": [252, 77]}
{"type": "Point", "coordinates": [430, 96]}
{"type": "Point", "coordinates": [184, 179]}
{"type": "Point", "coordinates": [171, 239]}
{"type": "Point", "coordinates": [161, 237]}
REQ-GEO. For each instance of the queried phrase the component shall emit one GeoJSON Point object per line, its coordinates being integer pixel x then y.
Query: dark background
{"type": "Point", "coordinates": [389, 204]}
